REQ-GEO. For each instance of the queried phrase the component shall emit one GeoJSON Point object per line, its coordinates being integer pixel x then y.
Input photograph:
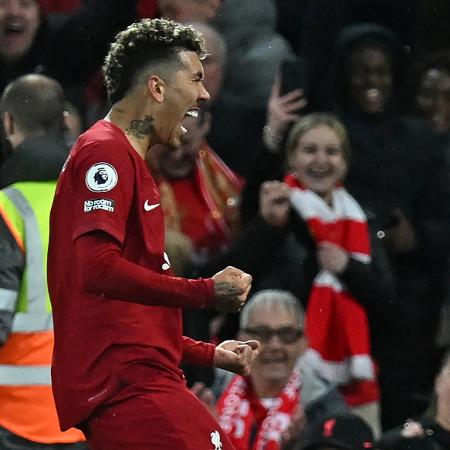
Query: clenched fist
{"type": "Point", "coordinates": [236, 356]}
{"type": "Point", "coordinates": [231, 287]}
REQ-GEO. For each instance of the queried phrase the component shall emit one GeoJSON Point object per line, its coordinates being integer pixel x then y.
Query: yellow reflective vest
{"type": "Point", "coordinates": [27, 407]}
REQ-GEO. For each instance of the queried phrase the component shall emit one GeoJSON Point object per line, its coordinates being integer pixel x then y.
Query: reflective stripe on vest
{"type": "Point", "coordinates": [8, 300]}
{"type": "Point", "coordinates": [36, 318]}
{"type": "Point", "coordinates": [18, 375]}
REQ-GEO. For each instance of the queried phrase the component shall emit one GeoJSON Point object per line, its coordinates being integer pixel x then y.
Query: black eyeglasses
{"type": "Point", "coordinates": [287, 335]}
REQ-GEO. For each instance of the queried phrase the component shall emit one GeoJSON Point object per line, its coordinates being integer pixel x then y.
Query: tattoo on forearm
{"type": "Point", "coordinates": [141, 128]}
{"type": "Point", "coordinates": [227, 289]}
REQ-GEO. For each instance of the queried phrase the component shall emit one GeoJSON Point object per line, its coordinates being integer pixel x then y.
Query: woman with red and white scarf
{"type": "Point", "coordinates": [337, 326]}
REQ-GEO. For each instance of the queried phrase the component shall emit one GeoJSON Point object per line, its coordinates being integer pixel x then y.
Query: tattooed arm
{"type": "Point", "coordinates": [231, 287]}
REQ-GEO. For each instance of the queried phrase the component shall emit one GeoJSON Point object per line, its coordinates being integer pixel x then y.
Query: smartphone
{"type": "Point", "coordinates": [293, 76]}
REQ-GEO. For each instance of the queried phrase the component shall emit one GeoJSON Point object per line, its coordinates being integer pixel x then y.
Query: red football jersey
{"type": "Point", "coordinates": [105, 339]}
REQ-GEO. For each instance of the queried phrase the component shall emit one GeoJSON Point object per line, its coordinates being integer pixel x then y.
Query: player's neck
{"type": "Point", "coordinates": [136, 124]}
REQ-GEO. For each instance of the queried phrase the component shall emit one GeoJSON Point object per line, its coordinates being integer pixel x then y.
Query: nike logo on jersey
{"type": "Point", "coordinates": [148, 207]}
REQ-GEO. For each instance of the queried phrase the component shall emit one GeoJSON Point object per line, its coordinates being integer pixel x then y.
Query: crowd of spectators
{"type": "Point", "coordinates": [335, 197]}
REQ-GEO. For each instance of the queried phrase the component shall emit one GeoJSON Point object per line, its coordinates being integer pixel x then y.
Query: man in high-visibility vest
{"type": "Point", "coordinates": [32, 109]}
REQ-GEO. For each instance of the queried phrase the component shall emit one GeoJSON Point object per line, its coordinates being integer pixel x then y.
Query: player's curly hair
{"type": "Point", "coordinates": [144, 44]}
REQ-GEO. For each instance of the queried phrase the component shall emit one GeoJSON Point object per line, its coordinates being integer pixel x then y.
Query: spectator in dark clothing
{"type": "Point", "coordinates": [37, 139]}
{"type": "Point", "coordinates": [319, 48]}
{"type": "Point", "coordinates": [70, 48]}
{"type": "Point", "coordinates": [340, 432]}
{"type": "Point", "coordinates": [291, 16]}
{"type": "Point", "coordinates": [398, 172]}
{"type": "Point", "coordinates": [431, 430]}
{"type": "Point", "coordinates": [429, 97]}
{"type": "Point", "coordinates": [429, 94]}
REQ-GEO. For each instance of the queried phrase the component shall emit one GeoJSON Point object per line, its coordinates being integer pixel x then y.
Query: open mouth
{"type": "Point", "coordinates": [319, 174]}
{"type": "Point", "coordinates": [13, 29]}
{"type": "Point", "coordinates": [373, 95]}
{"type": "Point", "coordinates": [272, 358]}
{"type": "Point", "coordinates": [192, 112]}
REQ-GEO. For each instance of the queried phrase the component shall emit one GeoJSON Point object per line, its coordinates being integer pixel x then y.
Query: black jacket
{"type": "Point", "coordinates": [435, 438]}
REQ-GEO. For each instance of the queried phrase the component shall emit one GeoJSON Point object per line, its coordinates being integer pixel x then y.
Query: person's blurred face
{"type": "Point", "coordinates": [189, 10]}
{"type": "Point", "coordinates": [183, 94]}
{"type": "Point", "coordinates": [213, 66]}
{"type": "Point", "coordinates": [19, 22]}
{"type": "Point", "coordinates": [180, 162]}
{"type": "Point", "coordinates": [318, 160]}
{"type": "Point", "coordinates": [442, 385]}
{"type": "Point", "coordinates": [282, 342]}
{"type": "Point", "coordinates": [370, 79]}
{"type": "Point", "coordinates": [433, 99]}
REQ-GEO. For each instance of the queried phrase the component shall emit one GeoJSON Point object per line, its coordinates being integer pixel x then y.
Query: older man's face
{"type": "Point", "coordinates": [19, 22]}
{"type": "Point", "coordinates": [281, 338]}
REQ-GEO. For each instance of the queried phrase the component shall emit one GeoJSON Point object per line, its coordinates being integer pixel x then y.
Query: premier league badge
{"type": "Point", "coordinates": [101, 177]}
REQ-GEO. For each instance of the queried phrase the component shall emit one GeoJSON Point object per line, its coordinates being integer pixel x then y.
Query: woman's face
{"type": "Point", "coordinates": [318, 160]}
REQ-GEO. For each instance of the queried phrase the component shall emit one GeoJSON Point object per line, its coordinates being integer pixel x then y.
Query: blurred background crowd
{"type": "Point", "coordinates": [321, 166]}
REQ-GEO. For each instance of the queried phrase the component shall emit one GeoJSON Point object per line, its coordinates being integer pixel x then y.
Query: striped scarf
{"type": "Point", "coordinates": [248, 423]}
{"type": "Point", "coordinates": [336, 324]}
{"type": "Point", "coordinates": [220, 188]}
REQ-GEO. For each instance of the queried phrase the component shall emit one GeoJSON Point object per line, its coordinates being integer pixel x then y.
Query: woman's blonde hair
{"type": "Point", "coordinates": [314, 120]}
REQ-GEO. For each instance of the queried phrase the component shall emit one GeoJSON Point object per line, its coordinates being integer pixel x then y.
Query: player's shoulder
{"type": "Point", "coordinates": [102, 134]}
{"type": "Point", "coordinates": [101, 141]}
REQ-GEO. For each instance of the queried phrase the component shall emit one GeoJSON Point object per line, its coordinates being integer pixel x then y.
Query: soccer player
{"type": "Point", "coordinates": [116, 305]}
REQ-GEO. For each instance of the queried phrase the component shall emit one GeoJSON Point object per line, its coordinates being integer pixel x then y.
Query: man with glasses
{"type": "Point", "coordinates": [256, 410]}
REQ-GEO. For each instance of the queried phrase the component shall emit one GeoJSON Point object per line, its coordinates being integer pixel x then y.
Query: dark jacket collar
{"type": "Point", "coordinates": [36, 159]}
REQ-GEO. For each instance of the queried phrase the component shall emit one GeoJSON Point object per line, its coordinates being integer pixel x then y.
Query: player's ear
{"type": "Point", "coordinates": [156, 88]}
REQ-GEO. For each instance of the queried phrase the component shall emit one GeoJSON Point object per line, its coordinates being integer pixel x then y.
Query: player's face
{"type": "Point", "coordinates": [184, 94]}
{"type": "Point", "coordinates": [318, 160]}
{"type": "Point", "coordinates": [19, 22]}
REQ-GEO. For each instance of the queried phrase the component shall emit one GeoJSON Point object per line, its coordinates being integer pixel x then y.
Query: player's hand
{"type": "Point", "coordinates": [231, 287]}
{"type": "Point", "coordinates": [274, 203]}
{"type": "Point", "coordinates": [236, 356]}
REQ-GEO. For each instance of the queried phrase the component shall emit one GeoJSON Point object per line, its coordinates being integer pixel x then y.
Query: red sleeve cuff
{"type": "Point", "coordinates": [198, 352]}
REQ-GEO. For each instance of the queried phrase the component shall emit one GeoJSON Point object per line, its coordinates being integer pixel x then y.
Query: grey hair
{"type": "Point", "coordinates": [272, 298]}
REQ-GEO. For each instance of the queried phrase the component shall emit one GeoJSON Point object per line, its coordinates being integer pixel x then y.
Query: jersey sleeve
{"type": "Point", "coordinates": [198, 352]}
{"type": "Point", "coordinates": [101, 178]}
